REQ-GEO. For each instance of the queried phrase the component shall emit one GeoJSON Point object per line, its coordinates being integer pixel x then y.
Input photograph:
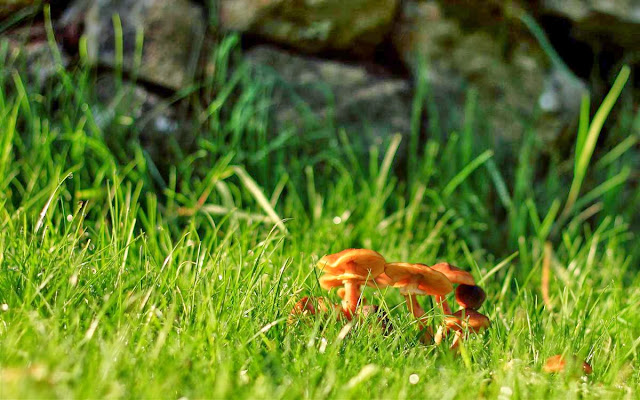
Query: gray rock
{"type": "Point", "coordinates": [31, 54]}
{"type": "Point", "coordinates": [173, 32]}
{"type": "Point", "coordinates": [313, 25]}
{"type": "Point", "coordinates": [509, 84]}
{"type": "Point", "coordinates": [617, 19]}
{"type": "Point", "coordinates": [119, 107]}
{"type": "Point", "coordinates": [314, 93]}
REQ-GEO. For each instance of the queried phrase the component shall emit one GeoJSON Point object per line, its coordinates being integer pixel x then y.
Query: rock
{"type": "Point", "coordinates": [121, 107]}
{"type": "Point", "coordinates": [8, 7]}
{"type": "Point", "coordinates": [617, 19]}
{"type": "Point", "coordinates": [560, 98]}
{"type": "Point", "coordinates": [371, 107]}
{"type": "Point", "coordinates": [313, 25]}
{"type": "Point", "coordinates": [31, 55]}
{"type": "Point", "coordinates": [509, 80]}
{"type": "Point", "coordinates": [173, 31]}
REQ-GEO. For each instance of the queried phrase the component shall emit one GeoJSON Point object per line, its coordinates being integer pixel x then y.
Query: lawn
{"type": "Point", "coordinates": [124, 275]}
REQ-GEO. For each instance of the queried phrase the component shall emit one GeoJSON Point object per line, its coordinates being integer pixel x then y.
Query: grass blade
{"type": "Point", "coordinates": [466, 171]}
{"type": "Point", "coordinates": [386, 162]}
{"type": "Point", "coordinates": [617, 152]}
{"type": "Point", "coordinates": [583, 158]}
{"type": "Point", "coordinates": [259, 196]}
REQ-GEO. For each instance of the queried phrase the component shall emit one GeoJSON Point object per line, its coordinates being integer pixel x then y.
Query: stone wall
{"type": "Point", "coordinates": [355, 62]}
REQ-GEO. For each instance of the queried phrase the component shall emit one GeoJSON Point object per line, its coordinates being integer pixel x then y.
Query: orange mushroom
{"type": "Point", "coordinates": [381, 281]}
{"type": "Point", "coordinates": [353, 268]}
{"type": "Point", "coordinates": [329, 282]}
{"type": "Point", "coordinates": [467, 319]}
{"type": "Point", "coordinates": [380, 315]}
{"type": "Point", "coordinates": [557, 363]}
{"type": "Point", "coordinates": [417, 280]}
{"type": "Point", "coordinates": [455, 275]}
{"type": "Point", "coordinates": [463, 320]}
{"type": "Point", "coordinates": [306, 306]}
{"type": "Point", "coordinates": [469, 296]}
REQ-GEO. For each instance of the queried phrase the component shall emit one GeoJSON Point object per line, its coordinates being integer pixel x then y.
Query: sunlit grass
{"type": "Point", "coordinates": [120, 277]}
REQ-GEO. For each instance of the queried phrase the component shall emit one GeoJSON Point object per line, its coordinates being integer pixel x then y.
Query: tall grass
{"type": "Point", "coordinates": [125, 278]}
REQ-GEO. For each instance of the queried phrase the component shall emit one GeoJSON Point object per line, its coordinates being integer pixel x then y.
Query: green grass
{"type": "Point", "coordinates": [129, 278]}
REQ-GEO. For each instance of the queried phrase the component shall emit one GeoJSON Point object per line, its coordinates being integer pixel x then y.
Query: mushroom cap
{"type": "Point", "coordinates": [310, 305]}
{"type": "Point", "coordinates": [469, 296]}
{"type": "Point", "coordinates": [306, 306]}
{"type": "Point", "coordinates": [454, 274]}
{"type": "Point", "coordinates": [473, 320]}
{"type": "Point", "coordinates": [558, 363]}
{"type": "Point", "coordinates": [417, 279]}
{"type": "Point", "coordinates": [381, 281]}
{"type": "Point", "coordinates": [353, 264]}
{"type": "Point", "coordinates": [328, 281]}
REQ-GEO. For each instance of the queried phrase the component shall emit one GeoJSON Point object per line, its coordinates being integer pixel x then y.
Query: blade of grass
{"type": "Point", "coordinates": [43, 213]}
{"type": "Point", "coordinates": [259, 196]}
{"type": "Point", "coordinates": [583, 127]}
{"type": "Point", "coordinates": [617, 151]}
{"type": "Point", "coordinates": [604, 187]}
{"type": "Point", "coordinates": [583, 158]}
{"type": "Point", "coordinates": [386, 162]}
{"type": "Point", "coordinates": [466, 171]}
{"type": "Point", "coordinates": [498, 267]}
{"type": "Point", "coordinates": [499, 183]}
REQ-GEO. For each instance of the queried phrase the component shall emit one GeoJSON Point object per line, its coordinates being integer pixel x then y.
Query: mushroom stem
{"type": "Point", "coordinates": [414, 307]}
{"type": "Point", "coordinates": [442, 301]}
{"type": "Point", "coordinates": [351, 296]}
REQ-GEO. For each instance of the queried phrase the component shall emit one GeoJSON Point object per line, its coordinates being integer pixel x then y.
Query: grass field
{"type": "Point", "coordinates": [121, 277]}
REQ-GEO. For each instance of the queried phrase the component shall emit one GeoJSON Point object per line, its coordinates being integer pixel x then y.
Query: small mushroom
{"type": "Point", "coordinates": [557, 363]}
{"type": "Point", "coordinates": [306, 306]}
{"type": "Point", "coordinates": [381, 315]}
{"type": "Point", "coordinates": [353, 268]}
{"type": "Point", "coordinates": [417, 280]}
{"type": "Point", "coordinates": [469, 296]}
{"type": "Point", "coordinates": [381, 281]}
{"type": "Point", "coordinates": [469, 319]}
{"type": "Point", "coordinates": [455, 275]}
{"type": "Point", "coordinates": [329, 282]}
{"type": "Point", "coordinates": [463, 320]}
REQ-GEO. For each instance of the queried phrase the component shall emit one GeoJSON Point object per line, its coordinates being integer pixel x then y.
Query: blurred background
{"type": "Point", "coordinates": [280, 84]}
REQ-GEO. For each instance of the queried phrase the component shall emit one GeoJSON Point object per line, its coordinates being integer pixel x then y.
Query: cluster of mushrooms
{"type": "Point", "coordinates": [351, 269]}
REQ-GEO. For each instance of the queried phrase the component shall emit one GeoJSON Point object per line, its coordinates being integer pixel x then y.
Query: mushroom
{"type": "Point", "coordinates": [381, 316]}
{"type": "Point", "coordinates": [463, 320]}
{"type": "Point", "coordinates": [417, 279]}
{"type": "Point", "coordinates": [329, 282]}
{"type": "Point", "coordinates": [455, 275]}
{"type": "Point", "coordinates": [353, 268]}
{"type": "Point", "coordinates": [306, 306]}
{"type": "Point", "coordinates": [557, 363]}
{"type": "Point", "coordinates": [469, 296]}
{"type": "Point", "coordinates": [381, 281]}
